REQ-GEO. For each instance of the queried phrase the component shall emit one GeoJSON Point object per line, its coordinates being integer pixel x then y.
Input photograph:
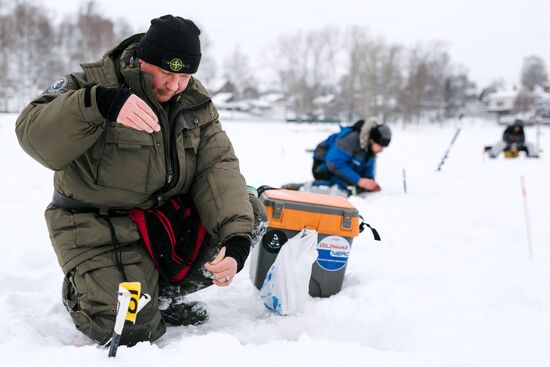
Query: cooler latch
{"type": "Point", "coordinates": [278, 210]}
{"type": "Point", "coordinates": [347, 220]}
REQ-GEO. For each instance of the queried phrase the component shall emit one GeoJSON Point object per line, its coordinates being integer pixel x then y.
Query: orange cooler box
{"type": "Point", "coordinates": [333, 217]}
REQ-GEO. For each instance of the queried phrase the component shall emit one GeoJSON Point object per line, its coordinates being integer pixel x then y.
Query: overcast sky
{"type": "Point", "coordinates": [489, 37]}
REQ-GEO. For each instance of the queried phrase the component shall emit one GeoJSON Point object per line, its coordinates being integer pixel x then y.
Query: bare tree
{"type": "Point", "coordinates": [350, 86]}
{"type": "Point", "coordinates": [290, 66]}
{"type": "Point", "coordinates": [458, 90]}
{"type": "Point", "coordinates": [533, 72]}
{"type": "Point", "coordinates": [391, 81]}
{"type": "Point", "coordinates": [122, 30]}
{"type": "Point", "coordinates": [372, 84]}
{"type": "Point", "coordinates": [95, 34]}
{"type": "Point", "coordinates": [525, 100]}
{"type": "Point", "coordinates": [238, 71]}
{"type": "Point", "coordinates": [32, 52]}
{"type": "Point", "coordinates": [6, 45]}
{"type": "Point", "coordinates": [88, 37]}
{"type": "Point", "coordinates": [307, 68]}
{"type": "Point", "coordinates": [208, 68]}
{"type": "Point", "coordinates": [426, 70]}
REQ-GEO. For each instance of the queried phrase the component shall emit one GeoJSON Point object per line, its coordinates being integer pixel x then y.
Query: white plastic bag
{"type": "Point", "coordinates": [286, 284]}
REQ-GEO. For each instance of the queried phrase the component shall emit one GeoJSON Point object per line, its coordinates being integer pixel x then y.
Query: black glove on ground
{"type": "Point", "coordinates": [238, 247]}
{"type": "Point", "coordinates": [110, 101]}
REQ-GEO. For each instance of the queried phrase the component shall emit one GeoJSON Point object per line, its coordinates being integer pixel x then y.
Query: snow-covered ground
{"type": "Point", "coordinates": [451, 283]}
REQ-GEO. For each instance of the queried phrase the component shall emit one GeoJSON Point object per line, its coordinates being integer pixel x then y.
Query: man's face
{"type": "Point", "coordinates": [165, 84]}
{"type": "Point", "coordinates": [375, 148]}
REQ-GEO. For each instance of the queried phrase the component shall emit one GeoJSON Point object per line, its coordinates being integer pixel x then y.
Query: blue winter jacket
{"type": "Point", "coordinates": [345, 162]}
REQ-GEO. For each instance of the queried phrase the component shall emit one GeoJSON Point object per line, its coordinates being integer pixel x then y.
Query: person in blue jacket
{"type": "Point", "coordinates": [346, 160]}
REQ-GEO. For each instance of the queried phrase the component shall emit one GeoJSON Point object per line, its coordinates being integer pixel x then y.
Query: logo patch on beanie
{"type": "Point", "coordinates": [176, 64]}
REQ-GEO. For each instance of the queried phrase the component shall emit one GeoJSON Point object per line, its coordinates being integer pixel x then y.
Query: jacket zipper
{"type": "Point", "coordinates": [170, 151]}
{"type": "Point", "coordinates": [167, 150]}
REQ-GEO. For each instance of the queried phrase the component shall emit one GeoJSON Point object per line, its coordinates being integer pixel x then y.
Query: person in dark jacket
{"type": "Point", "coordinates": [513, 141]}
{"type": "Point", "coordinates": [147, 185]}
{"type": "Point", "coordinates": [346, 161]}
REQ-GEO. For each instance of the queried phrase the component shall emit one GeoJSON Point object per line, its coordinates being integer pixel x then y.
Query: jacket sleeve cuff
{"type": "Point", "coordinates": [238, 247]}
{"type": "Point", "coordinates": [110, 101]}
{"type": "Point", "coordinates": [88, 106]}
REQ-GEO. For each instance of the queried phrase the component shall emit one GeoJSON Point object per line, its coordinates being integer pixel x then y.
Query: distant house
{"type": "Point", "coordinates": [221, 86]}
{"type": "Point", "coordinates": [223, 100]}
{"type": "Point", "coordinates": [223, 94]}
{"type": "Point", "coordinates": [270, 106]}
{"type": "Point", "coordinates": [249, 104]}
{"type": "Point", "coordinates": [325, 108]}
{"type": "Point", "coordinates": [528, 106]}
{"type": "Point", "coordinates": [501, 102]}
{"type": "Point", "coordinates": [542, 104]}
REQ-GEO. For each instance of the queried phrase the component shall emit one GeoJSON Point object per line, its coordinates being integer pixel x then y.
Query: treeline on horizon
{"type": "Point", "coordinates": [327, 74]}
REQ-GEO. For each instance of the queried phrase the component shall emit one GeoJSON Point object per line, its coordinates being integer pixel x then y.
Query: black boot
{"type": "Point", "coordinates": [185, 313]}
{"type": "Point", "coordinates": [176, 310]}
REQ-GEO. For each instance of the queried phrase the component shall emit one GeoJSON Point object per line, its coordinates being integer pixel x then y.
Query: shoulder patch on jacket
{"type": "Point", "coordinates": [349, 142]}
{"type": "Point", "coordinates": [59, 86]}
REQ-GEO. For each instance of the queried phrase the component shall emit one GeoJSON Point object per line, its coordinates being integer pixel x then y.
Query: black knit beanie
{"type": "Point", "coordinates": [173, 44]}
{"type": "Point", "coordinates": [381, 135]}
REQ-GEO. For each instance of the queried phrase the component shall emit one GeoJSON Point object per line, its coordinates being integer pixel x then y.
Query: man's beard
{"type": "Point", "coordinates": [370, 153]}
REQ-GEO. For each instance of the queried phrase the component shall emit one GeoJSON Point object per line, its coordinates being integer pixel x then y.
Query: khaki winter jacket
{"type": "Point", "coordinates": [106, 165]}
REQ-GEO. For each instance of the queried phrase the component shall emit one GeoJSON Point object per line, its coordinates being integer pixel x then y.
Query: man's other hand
{"type": "Point", "coordinates": [124, 107]}
{"type": "Point", "coordinates": [136, 114]}
{"type": "Point", "coordinates": [223, 269]}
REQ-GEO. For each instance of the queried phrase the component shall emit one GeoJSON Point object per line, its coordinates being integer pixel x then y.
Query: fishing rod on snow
{"type": "Point", "coordinates": [450, 145]}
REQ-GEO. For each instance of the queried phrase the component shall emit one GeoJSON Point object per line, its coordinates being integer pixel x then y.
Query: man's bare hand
{"type": "Point", "coordinates": [222, 268]}
{"type": "Point", "coordinates": [368, 184]}
{"type": "Point", "coordinates": [136, 114]}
